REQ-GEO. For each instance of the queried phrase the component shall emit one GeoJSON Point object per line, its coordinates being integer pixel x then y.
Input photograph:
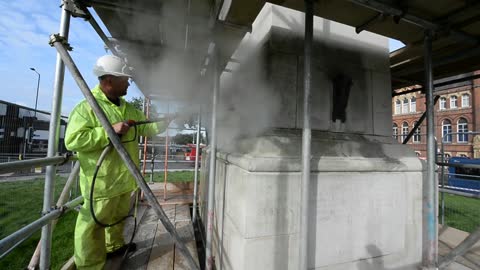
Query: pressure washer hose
{"type": "Point", "coordinates": [92, 211]}
{"type": "Point", "coordinates": [92, 188]}
{"type": "Point", "coordinates": [100, 160]}
{"type": "Point", "coordinates": [98, 165]}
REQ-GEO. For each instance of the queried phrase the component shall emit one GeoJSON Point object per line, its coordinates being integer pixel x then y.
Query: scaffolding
{"type": "Point", "coordinates": [60, 42]}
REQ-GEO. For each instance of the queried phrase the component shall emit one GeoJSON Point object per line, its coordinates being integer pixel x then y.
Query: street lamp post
{"type": "Point", "coordinates": [38, 86]}
{"type": "Point", "coordinates": [31, 129]}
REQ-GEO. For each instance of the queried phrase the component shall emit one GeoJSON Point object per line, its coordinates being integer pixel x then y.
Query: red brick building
{"type": "Point", "coordinates": [456, 111]}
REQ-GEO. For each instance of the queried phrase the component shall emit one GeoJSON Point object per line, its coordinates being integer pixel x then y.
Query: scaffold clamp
{"type": "Point", "coordinates": [76, 9]}
{"type": "Point", "coordinates": [57, 38]}
{"type": "Point", "coordinates": [52, 208]}
{"type": "Point", "coordinates": [66, 157]}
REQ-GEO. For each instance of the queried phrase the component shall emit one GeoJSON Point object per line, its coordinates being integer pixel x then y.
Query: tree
{"type": "Point", "coordinates": [183, 139]}
{"type": "Point", "coordinates": [137, 102]}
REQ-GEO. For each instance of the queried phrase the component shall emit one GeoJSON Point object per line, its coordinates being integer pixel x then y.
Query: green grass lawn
{"type": "Point", "coordinates": [21, 203]}
{"type": "Point", "coordinates": [462, 213]}
{"type": "Point", "coordinates": [172, 177]}
{"type": "Point", "coordinates": [62, 246]}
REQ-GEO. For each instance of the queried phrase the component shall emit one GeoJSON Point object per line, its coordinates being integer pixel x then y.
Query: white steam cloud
{"type": "Point", "coordinates": [167, 65]}
{"type": "Point", "coordinates": [248, 102]}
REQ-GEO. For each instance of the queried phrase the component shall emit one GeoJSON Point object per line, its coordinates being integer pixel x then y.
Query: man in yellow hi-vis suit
{"type": "Point", "coordinates": [114, 183]}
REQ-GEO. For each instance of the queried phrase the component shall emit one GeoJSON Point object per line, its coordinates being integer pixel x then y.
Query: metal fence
{"type": "Point", "coordinates": [459, 197]}
{"type": "Point", "coordinates": [24, 132]}
{"type": "Point", "coordinates": [460, 212]}
{"type": "Point", "coordinates": [459, 207]}
{"type": "Point", "coordinates": [154, 159]}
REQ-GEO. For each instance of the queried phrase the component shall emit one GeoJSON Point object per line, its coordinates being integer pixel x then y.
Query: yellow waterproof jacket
{"type": "Point", "coordinates": [86, 136]}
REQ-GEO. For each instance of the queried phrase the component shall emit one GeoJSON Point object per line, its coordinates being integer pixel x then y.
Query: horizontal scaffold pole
{"type": "Point", "coordinates": [14, 166]}
{"type": "Point", "coordinates": [459, 165]}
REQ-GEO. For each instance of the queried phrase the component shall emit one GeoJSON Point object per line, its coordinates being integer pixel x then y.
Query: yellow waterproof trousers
{"type": "Point", "coordinates": [92, 241]}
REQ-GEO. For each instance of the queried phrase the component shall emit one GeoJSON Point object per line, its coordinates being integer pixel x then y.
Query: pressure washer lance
{"type": "Point", "coordinates": [104, 153]}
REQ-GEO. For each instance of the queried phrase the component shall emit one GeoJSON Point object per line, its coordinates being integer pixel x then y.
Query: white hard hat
{"type": "Point", "coordinates": [111, 65]}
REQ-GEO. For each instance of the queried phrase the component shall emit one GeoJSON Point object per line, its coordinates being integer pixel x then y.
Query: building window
{"type": "Point", "coordinates": [404, 130]}
{"type": "Point", "coordinates": [3, 109]}
{"type": "Point", "coordinates": [446, 131]}
{"type": "Point", "coordinates": [395, 132]}
{"type": "Point", "coordinates": [465, 100]}
{"type": "Point", "coordinates": [416, 135]}
{"type": "Point", "coordinates": [462, 127]}
{"type": "Point", "coordinates": [443, 103]}
{"type": "Point", "coordinates": [453, 102]}
{"type": "Point", "coordinates": [398, 106]}
{"type": "Point", "coordinates": [22, 113]}
{"type": "Point", "coordinates": [413, 104]}
{"type": "Point", "coordinates": [405, 105]}
{"type": "Point", "coordinates": [19, 134]}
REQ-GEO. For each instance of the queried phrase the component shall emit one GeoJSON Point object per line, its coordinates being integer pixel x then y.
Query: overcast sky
{"type": "Point", "coordinates": [25, 26]}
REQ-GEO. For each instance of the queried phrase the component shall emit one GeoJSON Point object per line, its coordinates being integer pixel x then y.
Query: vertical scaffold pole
{"type": "Point", "coordinates": [306, 134]}
{"type": "Point", "coordinates": [197, 156]}
{"type": "Point", "coordinates": [430, 187]}
{"type": "Point", "coordinates": [53, 141]}
{"type": "Point", "coordinates": [165, 165]}
{"type": "Point", "coordinates": [213, 160]}
{"type": "Point", "coordinates": [146, 108]}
